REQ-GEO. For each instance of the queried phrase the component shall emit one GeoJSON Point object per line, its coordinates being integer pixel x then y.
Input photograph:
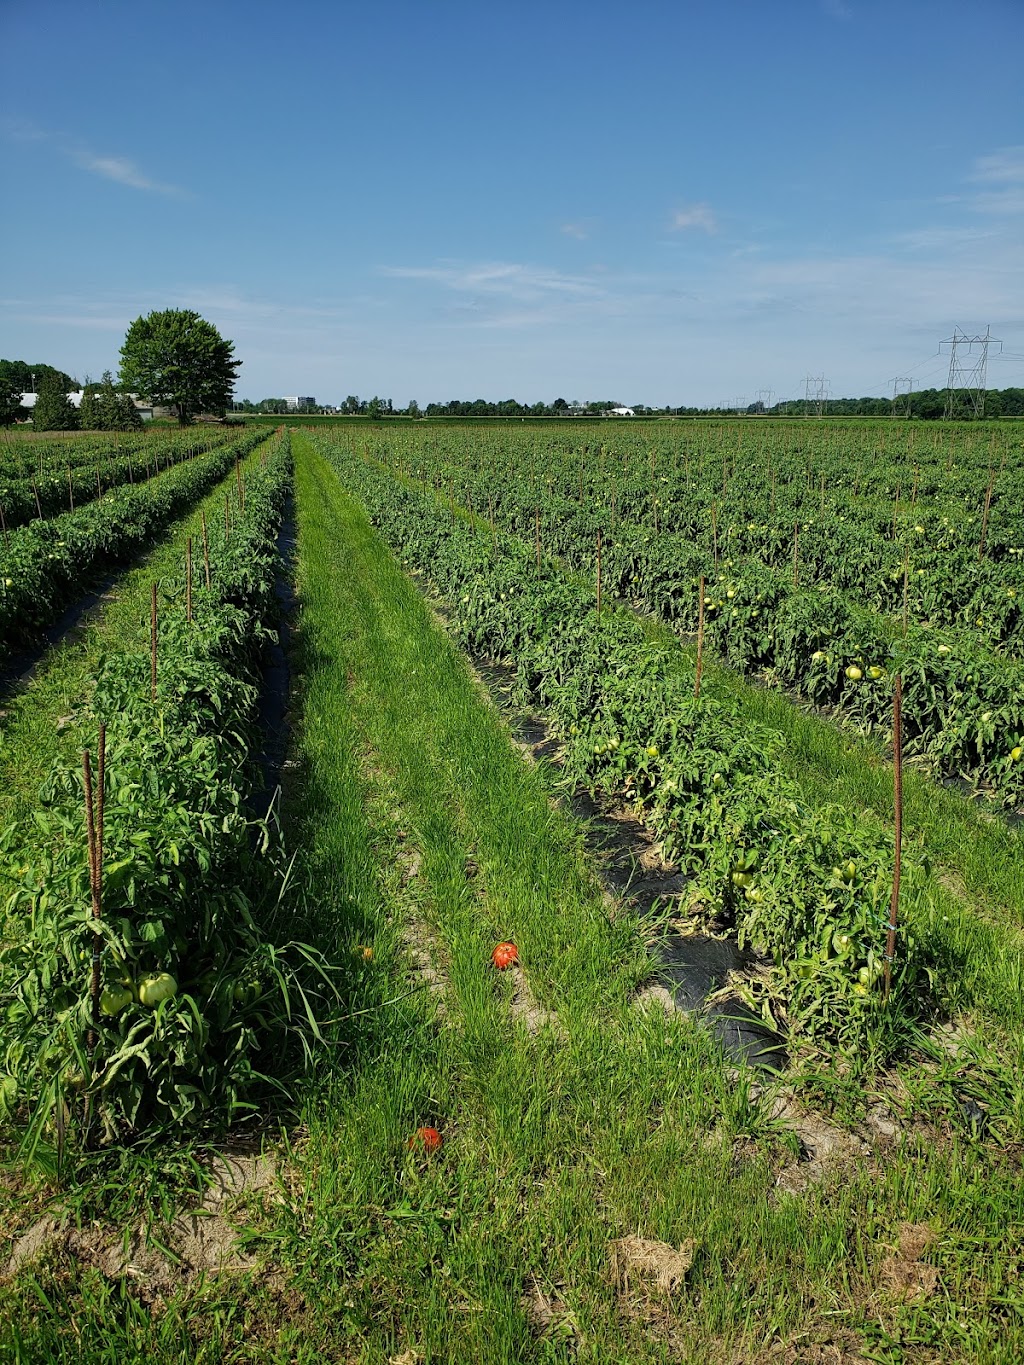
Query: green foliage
{"type": "Point", "coordinates": [105, 408]}
{"type": "Point", "coordinates": [44, 563]}
{"type": "Point", "coordinates": [178, 359]}
{"type": "Point", "coordinates": [53, 411]}
{"type": "Point", "coordinates": [713, 789]}
{"type": "Point", "coordinates": [195, 992]}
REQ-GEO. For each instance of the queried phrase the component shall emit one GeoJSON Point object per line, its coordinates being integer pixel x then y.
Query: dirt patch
{"type": "Point", "coordinates": [640, 1265]}
{"type": "Point", "coordinates": [823, 1147]}
{"type": "Point", "coordinates": [655, 997]}
{"type": "Point", "coordinates": [905, 1275]}
{"type": "Point", "coordinates": [547, 1312]}
{"type": "Point", "coordinates": [525, 1008]}
{"type": "Point", "coordinates": [202, 1241]}
{"type": "Point", "coordinates": [423, 952]}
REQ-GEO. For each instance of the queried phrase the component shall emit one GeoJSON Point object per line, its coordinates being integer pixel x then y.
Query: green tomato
{"type": "Point", "coordinates": [114, 1000]}
{"type": "Point", "coordinates": [157, 987]}
{"type": "Point", "coordinates": [854, 673]}
{"type": "Point", "coordinates": [876, 672]}
{"type": "Point", "coordinates": [1016, 752]}
{"type": "Point", "coordinates": [743, 879]}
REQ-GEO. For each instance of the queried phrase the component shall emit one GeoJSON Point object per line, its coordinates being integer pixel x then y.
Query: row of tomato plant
{"type": "Point", "coordinates": [45, 564]}
{"type": "Point", "coordinates": [853, 531]}
{"type": "Point", "coordinates": [197, 994]}
{"type": "Point", "coordinates": [964, 702]}
{"type": "Point", "coordinates": [807, 888]}
{"type": "Point", "coordinates": [49, 488]}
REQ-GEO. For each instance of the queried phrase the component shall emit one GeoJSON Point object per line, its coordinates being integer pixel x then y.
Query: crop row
{"type": "Point", "coordinates": [193, 990]}
{"type": "Point", "coordinates": [816, 523]}
{"type": "Point", "coordinates": [808, 888]}
{"type": "Point", "coordinates": [963, 703]}
{"type": "Point", "coordinates": [44, 565]}
{"type": "Point", "coordinates": [23, 456]}
{"type": "Point", "coordinates": [89, 473]}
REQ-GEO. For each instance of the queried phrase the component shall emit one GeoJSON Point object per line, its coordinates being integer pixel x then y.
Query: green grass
{"type": "Point", "coordinates": [423, 832]}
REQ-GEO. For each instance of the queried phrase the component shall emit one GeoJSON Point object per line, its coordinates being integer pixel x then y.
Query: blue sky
{"type": "Point", "coordinates": [662, 203]}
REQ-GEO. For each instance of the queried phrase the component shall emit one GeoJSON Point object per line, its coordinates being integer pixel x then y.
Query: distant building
{"type": "Point", "coordinates": [621, 412]}
{"type": "Point", "coordinates": [298, 404]}
{"type": "Point", "coordinates": [28, 400]}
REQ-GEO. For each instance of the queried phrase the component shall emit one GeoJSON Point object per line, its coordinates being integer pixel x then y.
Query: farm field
{"type": "Point", "coordinates": [690, 631]}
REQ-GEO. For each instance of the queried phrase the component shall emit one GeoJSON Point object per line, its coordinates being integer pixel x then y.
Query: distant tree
{"type": "Point", "coordinates": [413, 408]}
{"type": "Point", "coordinates": [179, 360]}
{"type": "Point", "coordinates": [351, 405]}
{"type": "Point", "coordinates": [105, 408]}
{"type": "Point", "coordinates": [375, 409]}
{"type": "Point", "coordinates": [10, 401]}
{"type": "Point", "coordinates": [53, 411]}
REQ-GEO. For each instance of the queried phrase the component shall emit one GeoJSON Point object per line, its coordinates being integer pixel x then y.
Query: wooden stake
{"type": "Point", "coordinates": [700, 637]}
{"type": "Point", "coordinates": [206, 549]}
{"type": "Point", "coordinates": [39, 510]}
{"type": "Point", "coordinates": [714, 534]}
{"type": "Point", "coordinates": [238, 480]}
{"type": "Point", "coordinates": [897, 788]}
{"type": "Point", "coordinates": [188, 579]}
{"type": "Point", "coordinates": [152, 643]}
{"type": "Point", "coordinates": [99, 488]}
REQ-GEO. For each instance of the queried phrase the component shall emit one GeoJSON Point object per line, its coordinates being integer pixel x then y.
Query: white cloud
{"type": "Point", "coordinates": [695, 216]}
{"type": "Point", "coordinates": [117, 168]}
{"type": "Point", "coordinates": [121, 170]}
{"type": "Point", "coordinates": [1001, 167]}
{"type": "Point", "coordinates": [576, 230]}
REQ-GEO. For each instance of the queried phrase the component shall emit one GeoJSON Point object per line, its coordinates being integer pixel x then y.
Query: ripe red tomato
{"type": "Point", "coordinates": [427, 1138]}
{"type": "Point", "coordinates": [504, 955]}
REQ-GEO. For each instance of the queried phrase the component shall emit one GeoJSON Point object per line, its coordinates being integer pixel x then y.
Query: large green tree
{"type": "Point", "coordinates": [178, 360]}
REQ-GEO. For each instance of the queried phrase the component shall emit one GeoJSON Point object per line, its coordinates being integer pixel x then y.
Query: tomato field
{"type": "Point", "coordinates": [415, 986]}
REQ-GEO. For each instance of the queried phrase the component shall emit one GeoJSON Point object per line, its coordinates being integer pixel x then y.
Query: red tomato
{"type": "Point", "coordinates": [427, 1138]}
{"type": "Point", "coordinates": [504, 955]}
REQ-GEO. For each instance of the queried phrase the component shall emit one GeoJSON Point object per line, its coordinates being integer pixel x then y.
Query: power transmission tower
{"type": "Point", "coordinates": [901, 391]}
{"type": "Point", "coordinates": [968, 362]}
{"type": "Point", "coordinates": [815, 395]}
{"type": "Point", "coordinates": [764, 397]}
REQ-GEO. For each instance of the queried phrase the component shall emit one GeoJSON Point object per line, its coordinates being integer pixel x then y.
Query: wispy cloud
{"type": "Point", "coordinates": [117, 168]}
{"type": "Point", "coordinates": [1000, 167]}
{"type": "Point", "coordinates": [835, 9]}
{"type": "Point", "coordinates": [695, 216]}
{"type": "Point", "coordinates": [1002, 172]}
{"type": "Point", "coordinates": [576, 230]}
{"type": "Point", "coordinates": [524, 282]}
